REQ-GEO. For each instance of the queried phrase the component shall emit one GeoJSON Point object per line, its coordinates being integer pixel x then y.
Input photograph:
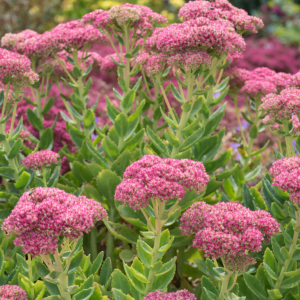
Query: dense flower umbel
{"type": "Point", "coordinates": [286, 173]}
{"type": "Point", "coordinates": [282, 106]}
{"type": "Point", "coordinates": [219, 36]}
{"type": "Point", "coordinates": [15, 41]}
{"type": "Point", "coordinates": [140, 17]}
{"type": "Point", "coordinates": [221, 9]}
{"type": "Point", "coordinates": [228, 230]}
{"type": "Point", "coordinates": [287, 164]}
{"type": "Point", "coordinates": [40, 160]}
{"type": "Point", "coordinates": [43, 214]}
{"type": "Point", "coordinates": [152, 64]}
{"type": "Point", "coordinates": [258, 87]}
{"type": "Point", "coordinates": [16, 69]}
{"type": "Point", "coordinates": [162, 179]}
{"type": "Point", "coordinates": [178, 295]}
{"type": "Point", "coordinates": [12, 292]}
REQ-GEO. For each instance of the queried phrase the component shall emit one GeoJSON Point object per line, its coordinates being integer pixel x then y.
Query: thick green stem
{"type": "Point", "coordinates": [251, 140]}
{"type": "Point", "coordinates": [237, 111]}
{"type": "Point", "coordinates": [63, 279]}
{"type": "Point", "coordinates": [185, 115]}
{"type": "Point", "coordinates": [158, 228]}
{"type": "Point", "coordinates": [288, 140]}
{"type": "Point", "coordinates": [291, 252]}
{"type": "Point", "coordinates": [93, 243]}
{"type": "Point", "coordinates": [45, 177]}
{"type": "Point", "coordinates": [30, 275]}
{"type": "Point", "coordinates": [127, 64]}
{"type": "Point", "coordinates": [110, 244]}
{"type": "Point", "coordinates": [156, 92]}
{"type": "Point", "coordinates": [224, 285]}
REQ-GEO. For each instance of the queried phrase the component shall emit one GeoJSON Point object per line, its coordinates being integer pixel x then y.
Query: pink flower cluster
{"type": "Point", "coordinates": [12, 292]}
{"type": "Point", "coordinates": [40, 160]}
{"type": "Point", "coordinates": [228, 230]}
{"type": "Point", "coordinates": [153, 64]}
{"type": "Point", "coordinates": [221, 9]}
{"type": "Point", "coordinates": [218, 36]}
{"type": "Point", "coordinates": [42, 214]}
{"type": "Point", "coordinates": [178, 295]}
{"type": "Point", "coordinates": [286, 173]}
{"type": "Point", "coordinates": [140, 17]}
{"type": "Point", "coordinates": [283, 106]}
{"type": "Point", "coordinates": [294, 81]}
{"type": "Point", "coordinates": [70, 35]}
{"type": "Point", "coordinates": [16, 69]}
{"type": "Point", "coordinates": [190, 59]}
{"type": "Point", "coordinates": [162, 179]}
{"type": "Point", "coordinates": [53, 65]}
{"type": "Point", "coordinates": [260, 81]}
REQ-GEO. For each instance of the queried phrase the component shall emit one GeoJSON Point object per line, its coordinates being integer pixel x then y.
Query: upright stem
{"type": "Point", "coordinates": [291, 252]}
{"type": "Point", "coordinates": [30, 275]}
{"type": "Point", "coordinates": [110, 239]}
{"type": "Point", "coordinates": [224, 285]}
{"type": "Point", "coordinates": [288, 140]}
{"type": "Point", "coordinates": [127, 65]}
{"type": "Point", "coordinates": [185, 115]}
{"type": "Point", "coordinates": [156, 92]}
{"type": "Point", "coordinates": [93, 241]}
{"type": "Point", "coordinates": [237, 111]}
{"type": "Point", "coordinates": [45, 177]}
{"type": "Point", "coordinates": [158, 227]}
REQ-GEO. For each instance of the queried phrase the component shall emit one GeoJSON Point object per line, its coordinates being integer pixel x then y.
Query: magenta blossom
{"type": "Point", "coordinates": [43, 214]}
{"type": "Point", "coordinates": [228, 230]}
{"type": "Point", "coordinates": [178, 295]}
{"type": "Point", "coordinates": [12, 292]}
{"type": "Point", "coordinates": [40, 160]}
{"type": "Point", "coordinates": [161, 179]}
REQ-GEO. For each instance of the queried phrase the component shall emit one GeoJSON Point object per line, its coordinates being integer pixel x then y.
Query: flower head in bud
{"type": "Point", "coordinates": [12, 292]}
{"type": "Point", "coordinates": [40, 160]}
{"type": "Point", "coordinates": [162, 179]}
{"type": "Point", "coordinates": [43, 214]}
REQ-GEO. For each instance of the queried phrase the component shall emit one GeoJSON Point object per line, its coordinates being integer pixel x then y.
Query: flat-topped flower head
{"type": "Point", "coordinates": [214, 36]}
{"type": "Point", "coordinates": [228, 230]}
{"type": "Point", "coordinates": [40, 160]}
{"type": "Point", "coordinates": [74, 34]}
{"type": "Point", "coordinates": [43, 214]}
{"type": "Point", "coordinates": [140, 17]}
{"type": "Point", "coordinates": [12, 292]}
{"type": "Point", "coordinates": [283, 106]}
{"type": "Point", "coordinates": [14, 41]}
{"type": "Point", "coordinates": [221, 9]}
{"type": "Point", "coordinates": [286, 173]}
{"type": "Point", "coordinates": [178, 295]}
{"type": "Point", "coordinates": [258, 87]}
{"type": "Point", "coordinates": [161, 179]}
{"type": "Point", "coordinates": [16, 69]}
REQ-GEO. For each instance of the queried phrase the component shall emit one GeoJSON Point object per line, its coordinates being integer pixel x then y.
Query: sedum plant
{"type": "Point", "coordinates": [150, 204]}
